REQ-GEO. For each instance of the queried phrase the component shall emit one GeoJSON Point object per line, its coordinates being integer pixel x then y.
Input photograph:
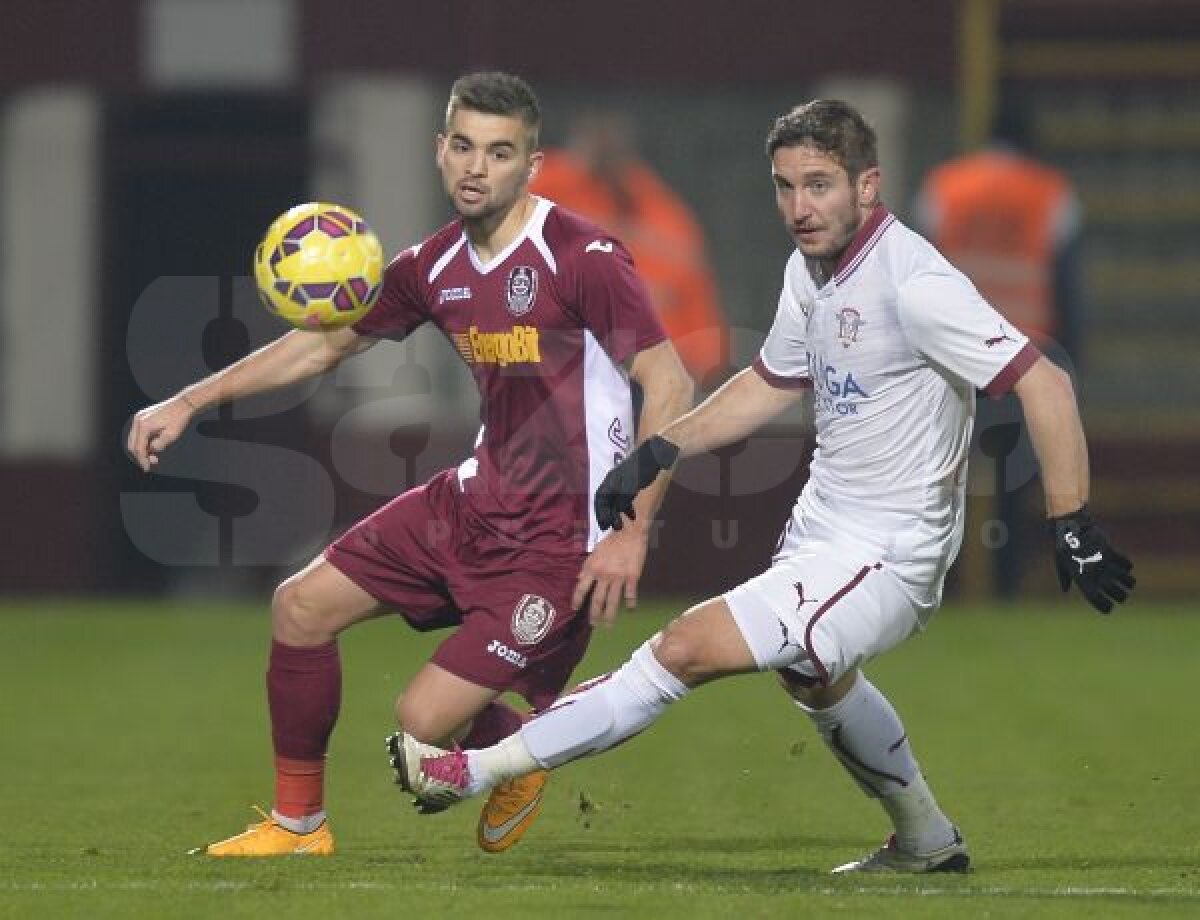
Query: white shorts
{"type": "Point", "coordinates": [822, 611]}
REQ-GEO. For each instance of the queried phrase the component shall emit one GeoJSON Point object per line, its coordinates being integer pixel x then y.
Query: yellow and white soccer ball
{"type": "Point", "coordinates": [319, 266]}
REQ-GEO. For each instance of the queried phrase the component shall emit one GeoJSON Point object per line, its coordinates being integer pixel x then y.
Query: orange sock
{"type": "Point", "coordinates": [299, 787]}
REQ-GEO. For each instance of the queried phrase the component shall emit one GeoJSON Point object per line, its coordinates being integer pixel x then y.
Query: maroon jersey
{"type": "Point", "coordinates": [545, 328]}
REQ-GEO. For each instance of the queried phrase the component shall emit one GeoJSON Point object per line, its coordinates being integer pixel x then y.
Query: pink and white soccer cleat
{"type": "Point", "coordinates": [438, 778]}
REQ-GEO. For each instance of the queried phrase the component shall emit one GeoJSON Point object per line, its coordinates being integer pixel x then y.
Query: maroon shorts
{"type": "Point", "coordinates": [426, 556]}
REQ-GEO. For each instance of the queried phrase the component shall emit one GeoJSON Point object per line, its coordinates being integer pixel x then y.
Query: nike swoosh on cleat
{"type": "Point", "coordinates": [494, 834]}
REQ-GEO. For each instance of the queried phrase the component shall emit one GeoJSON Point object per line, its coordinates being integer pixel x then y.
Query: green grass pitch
{"type": "Point", "coordinates": [1064, 743]}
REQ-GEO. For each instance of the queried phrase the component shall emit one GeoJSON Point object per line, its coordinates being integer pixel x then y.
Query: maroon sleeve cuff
{"type": "Point", "coordinates": [781, 383]}
{"type": "Point", "coordinates": [1013, 371]}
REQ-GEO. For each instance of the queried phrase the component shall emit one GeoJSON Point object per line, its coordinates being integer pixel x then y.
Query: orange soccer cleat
{"type": "Point", "coordinates": [510, 810]}
{"type": "Point", "coordinates": [270, 838]}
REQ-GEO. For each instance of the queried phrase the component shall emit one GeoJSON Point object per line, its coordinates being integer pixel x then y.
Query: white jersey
{"type": "Point", "coordinates": [894, 346]}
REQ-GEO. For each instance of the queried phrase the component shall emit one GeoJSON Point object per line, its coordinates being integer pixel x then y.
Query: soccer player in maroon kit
{"type": "Point", "coordinates": [546, 310]}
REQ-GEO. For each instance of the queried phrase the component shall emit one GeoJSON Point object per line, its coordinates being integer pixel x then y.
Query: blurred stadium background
{"type": "Point", "coordinates": [145, 145]}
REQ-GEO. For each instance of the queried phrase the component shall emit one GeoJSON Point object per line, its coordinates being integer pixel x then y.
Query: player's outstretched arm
{"type": "Point", "coordinates": [289, 359]}
{"type": "Point", "coordinates": [739, 407]}
{"type": "Point", "coordinates": [1082, 553]}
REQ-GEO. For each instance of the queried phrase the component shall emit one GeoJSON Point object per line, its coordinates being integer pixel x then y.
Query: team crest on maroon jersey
{"type": "Point", "coordinates": [532, 619]}
{"type": "Point", "coordinates": [521, 290]}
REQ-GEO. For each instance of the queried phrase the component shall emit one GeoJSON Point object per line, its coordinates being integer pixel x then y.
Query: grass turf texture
{"type": "Point", "coordinates": [1064, 744]}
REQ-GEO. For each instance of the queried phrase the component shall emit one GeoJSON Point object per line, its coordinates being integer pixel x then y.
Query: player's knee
{"type": "Point", "coordinates": [295, 616]}
{"type": "Point", "coordinates": [421, 721]}
{"type": "Point", "coordinates": [679, 652]}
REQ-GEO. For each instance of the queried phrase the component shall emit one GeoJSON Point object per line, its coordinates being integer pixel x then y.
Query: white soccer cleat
{"type": "Point", "coordinates": [438, 778]}
{"type": "Point", "coordinates": [890, 858]}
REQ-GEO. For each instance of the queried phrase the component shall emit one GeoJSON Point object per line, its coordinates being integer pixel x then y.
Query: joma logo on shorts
{"type": "Point", "coordinates": [512, 656]}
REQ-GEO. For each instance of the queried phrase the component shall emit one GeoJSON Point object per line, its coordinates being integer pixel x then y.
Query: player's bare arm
{"type": "Point", "coordinates": [612, 571]}
{"type": "Point", "coordinates": [1048, 401]}
{"type": "Point", "coordinates": [290, 359]}
{"type": "Point", "coordinates": [739, 408]}
{"type": "Point", "coordinates": [1082, 553]}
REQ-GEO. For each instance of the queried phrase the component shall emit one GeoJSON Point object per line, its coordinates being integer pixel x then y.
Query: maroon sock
{"type": "Point", "coordinates": [304, 691]}
{"type": "Point", "coordinates": [496, 722]}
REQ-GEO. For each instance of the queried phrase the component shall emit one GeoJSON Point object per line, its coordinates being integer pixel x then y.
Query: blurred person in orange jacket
{"type": "Point", "coordinates": [1011, 224]}
{"type": "Point", "coordinates": [600, 175]}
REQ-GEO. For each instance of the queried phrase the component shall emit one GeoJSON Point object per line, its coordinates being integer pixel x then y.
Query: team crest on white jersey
{"type": "Point", "coordinates": [521, 290]}
{"type": "Point", "coordinates": [850, 323]}
{"type": "Point", "coordinates": [532, 618]}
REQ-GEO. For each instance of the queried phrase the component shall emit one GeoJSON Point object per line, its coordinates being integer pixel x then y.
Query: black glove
{"type": "Point", "coordinates": [1082, 554]}
{"type": "Point", "coordinates": [625, 480]}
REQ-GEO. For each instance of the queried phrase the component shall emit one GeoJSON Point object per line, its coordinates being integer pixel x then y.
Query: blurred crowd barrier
{"type": "Point", "coordinates": [136, 183]}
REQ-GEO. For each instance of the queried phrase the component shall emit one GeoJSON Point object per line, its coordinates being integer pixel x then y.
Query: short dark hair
{"type": "Point", "coordinates": [831, 126]}
{"type": "Point", "coordinates": [496, 93]}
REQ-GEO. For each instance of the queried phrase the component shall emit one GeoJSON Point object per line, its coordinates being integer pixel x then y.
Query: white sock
{"type": "Point", "coordinates": [867, 737]}
{"type": "Point", "coordinates": [920, 824]}
{"type": "Point", "coordinates": [504, 760]}
{"type": "Point", "coordinates": [305, 825]}
{"type": "Point", "coordinates": [604, 712]}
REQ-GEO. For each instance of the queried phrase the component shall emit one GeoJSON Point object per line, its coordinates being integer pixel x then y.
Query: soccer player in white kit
{"type": "Point", "coordinates": [893, 343]}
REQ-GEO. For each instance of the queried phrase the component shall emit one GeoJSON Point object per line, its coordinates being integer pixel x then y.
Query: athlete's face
{"type": "Point", "coordinates": [486, 162]}
{"type": "Point", "coordinates": [821, 206]}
